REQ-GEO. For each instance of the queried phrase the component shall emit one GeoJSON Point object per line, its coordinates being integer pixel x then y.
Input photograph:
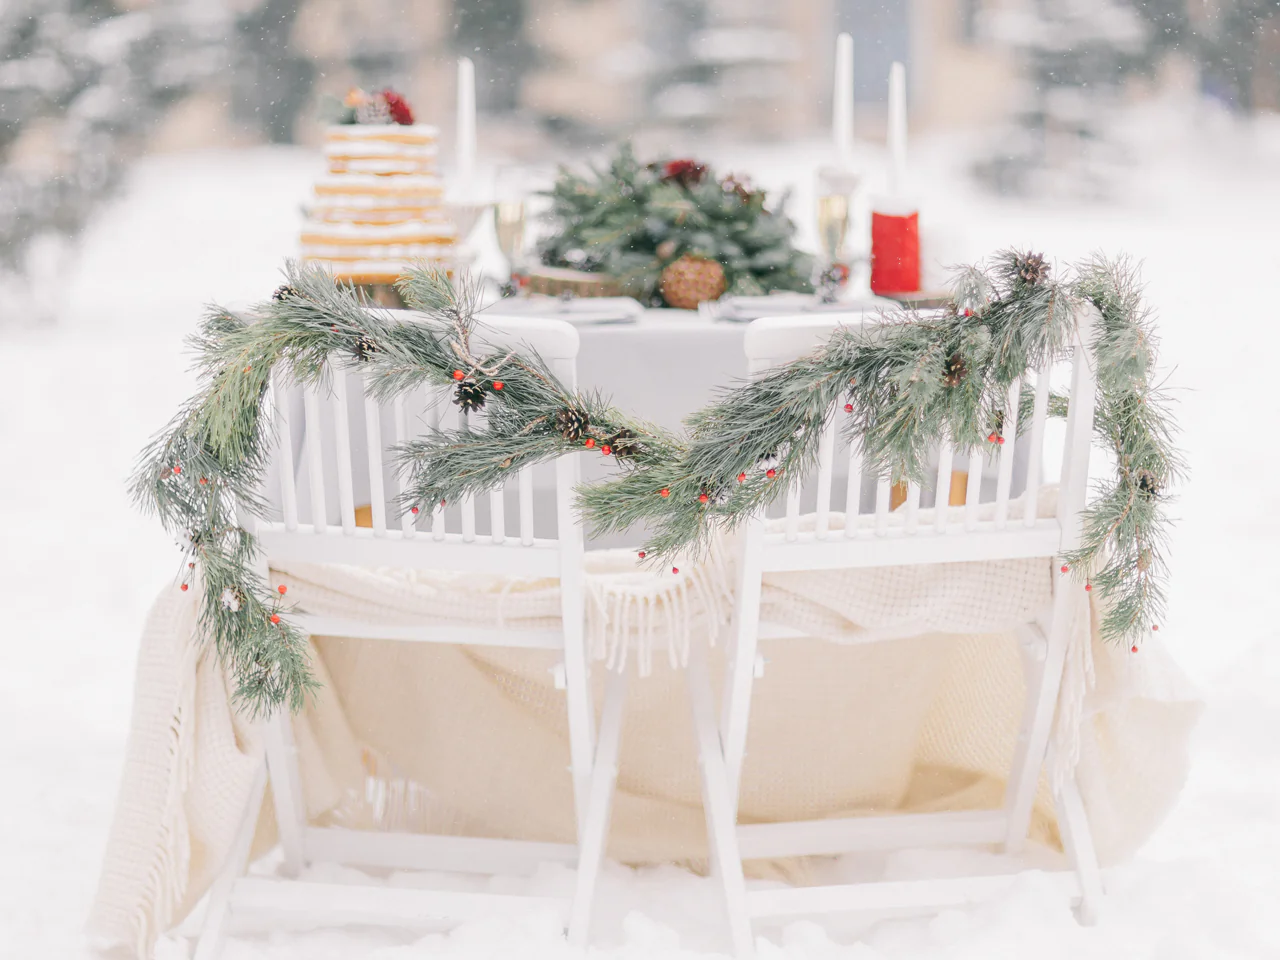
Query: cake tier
{"type": "Point", "coordinates": [374, 271]}
{"type": "Point", "coordinates": [382, 166]}
{"type": "Point", "coordinates": [348, 188]}
{"type": "Point", "coordinates": [407, 231]}
{"type": "Point", "coordinates": [418, 134]}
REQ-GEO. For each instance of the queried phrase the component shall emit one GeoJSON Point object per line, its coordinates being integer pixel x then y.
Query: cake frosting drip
{"type": "Point", "coordinates": [379, 207]}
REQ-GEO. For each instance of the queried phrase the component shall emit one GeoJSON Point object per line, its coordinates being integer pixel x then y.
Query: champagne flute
{"type": "Point", "coordinates": [510, 184]}
{"type": "Point", "coordinates": [835, 188]}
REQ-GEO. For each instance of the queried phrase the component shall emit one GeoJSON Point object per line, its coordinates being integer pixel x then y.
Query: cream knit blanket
{"type": "Point", "coordinates": [474, 740]}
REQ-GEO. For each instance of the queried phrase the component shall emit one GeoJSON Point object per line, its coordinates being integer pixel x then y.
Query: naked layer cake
{"type": "Point", "coordinates": [379, 207]}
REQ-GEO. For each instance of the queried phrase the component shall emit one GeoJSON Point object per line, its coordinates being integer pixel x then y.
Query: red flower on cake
{"type": "Point", "coordinates": [398, 107]}
{"type": "Point", "coordinates": [684, 172]}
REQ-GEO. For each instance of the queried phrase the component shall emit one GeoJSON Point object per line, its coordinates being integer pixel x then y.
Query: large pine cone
{"type": "Point", "coordinates": [690, 280]}
{"type": "Point", "coordinates": [1032, 268]}
{"type": "Point", "coordinates": [469, 395]}
{"type": "Point", "coordinates": [571, 424]}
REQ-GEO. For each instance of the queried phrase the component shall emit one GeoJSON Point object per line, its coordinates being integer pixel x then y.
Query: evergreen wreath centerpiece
{"type": "Point", "coordinates": [902, 385]}
{"type": "Point", "coordinates": [672, 232]}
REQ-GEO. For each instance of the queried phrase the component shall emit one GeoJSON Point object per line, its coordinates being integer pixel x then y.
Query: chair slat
{"type": "Point", "coordinates": [342, 447]}
{"type": "Point", "coordinates": [1009, 433]}
{"type": "Point", "coordinates": [793, 512]}
{"type": "Point", "coordinates": [913, 507]}
{"type": "Point", "coordinates": [284, 432]}
{"type": "Point", "coordinates": [526, 506]}
{"type": "Point", "coordinates": [883, 492]}
{"type": "Point", "coordinates": [468, 504]}
{"type": "Point", "coordinates": [973, 489]}
{"type": "Point", "coordinates": [401, 427]}
{"type": "Point", "coordinates": [853, 495]}
{"type": "Point", "coordinates": [826, 462]}
{"type": "Point", "coordinates": [315, 457]}
{"type": "Point", "coordinates": [373, 444]}
{"type": "Point", "coordinates": [497, 515]}
{"type": "Point", "coordinates": [434, 401]}
{"type": "Point", "coordinates": [1035, 456]}
{"type": "Point", "coordinates": [942, 496]}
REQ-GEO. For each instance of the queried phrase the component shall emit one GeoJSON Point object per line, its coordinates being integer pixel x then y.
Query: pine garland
{"type": "Point", "coordinates": [632, 220]}
{"type": "Point", "coordinates": [903, 385]}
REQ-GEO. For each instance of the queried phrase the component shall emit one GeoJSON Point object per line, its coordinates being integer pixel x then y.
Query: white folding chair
{"type": "Point", "coordinates": [316, 527]}
{"type": "Point", "coordinates": [987, 535]}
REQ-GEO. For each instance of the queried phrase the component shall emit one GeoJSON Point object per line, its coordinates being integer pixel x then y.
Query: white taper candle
{"type": "Point", "coordinates": [842, 100]}
{"type": "Point", "coordinates": [897, 128]}
{"type": "Point", "coordinates": [466, 127]}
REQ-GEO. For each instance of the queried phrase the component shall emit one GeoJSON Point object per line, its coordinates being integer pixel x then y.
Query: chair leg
{"type": "Point", "coordinates": [213, 932]}
{"type": "Point", "coordinates": [1037, 723]}
{"type": "Point", "coordinates": [740, 677]}
{"type": "Point", "coordinates": [1077, 840]}
{"type": "Point", "coordinates": [286, 788]}
{"type": "Point", "coordinates": [582, 735]}
{"type": "Point", "coordinates": [595, 832]}
{"type": "Point", "coordinates": [718, 804]}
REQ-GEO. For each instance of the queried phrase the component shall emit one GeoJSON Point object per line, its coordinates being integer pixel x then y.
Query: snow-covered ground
{"type": "Point", "coordinates": [78, 566]}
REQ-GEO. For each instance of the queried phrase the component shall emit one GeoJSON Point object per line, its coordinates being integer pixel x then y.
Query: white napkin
{"type": "Point", "coordinates": [577, 310]}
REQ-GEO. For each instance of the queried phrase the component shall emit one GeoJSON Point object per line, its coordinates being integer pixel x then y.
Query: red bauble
{"type": "Point", "coordinates": [664, 492]}
{"type": "Point", "coordinates": [848, 408]}
{"type": "Point", "coordinates": [498, 384]}
{"type": "Point", "coordinates": [641, 554]}
{"type": "Point", "coordinates": [397, 107]}
{"type": "Point", "coordinates": [275, 618]}
{"type": "Point", "coordinates": [675, 569]}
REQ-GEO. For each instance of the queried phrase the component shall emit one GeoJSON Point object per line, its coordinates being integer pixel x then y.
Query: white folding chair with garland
{"type": "Point", "coordinates": [912, 395]}
{"type": "Point", "coordinates": [323, 393]}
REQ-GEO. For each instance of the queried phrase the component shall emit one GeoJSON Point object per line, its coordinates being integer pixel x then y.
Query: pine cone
{"type": "Point", "coordinates": [690, 280]}
{"type": "Point", "coordinates": [572, 424]}
{"type": "Point", "coordinates": [469, 395]}
{"type": "Point", "coordinates": [284, 292]}
{"type": "Point", "coordinates": [624, 443]}
{"type": "Point", "coordinates": [1148, 486]}
{"type": "Point", "coordinates": [365, 348]}
{"type": "Point", "coordinates": [1032, 268]}
{"type": "Point", "coordinates": [953, 370]}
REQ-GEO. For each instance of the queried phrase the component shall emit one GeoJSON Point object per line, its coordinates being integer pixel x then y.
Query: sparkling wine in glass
{"type": "Point", "coordinates": [508, 221]}
{"type": "Point", "coordinates": [833, 224]}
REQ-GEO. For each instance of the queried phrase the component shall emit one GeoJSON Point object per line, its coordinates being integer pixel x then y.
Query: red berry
{"type": "Point", "coordinates": [968, 312]}
{"type": "Point", "coordinates": [191, 566]}
{"type": "Point", "coordinates": [176, 468]}
{"type": "Point", "coordinates": [458, 374]}
{"type": "Point", "coordinates": [283, 589]}
{"type": "Point", "coordinates": [589, 442]}
{"type": "Point", "coordinates": [184, 588]}
{"type": "Point", "coordinates": [275, 618]}
{"type": "Point", "coordinates": [498, 384]}
{"type": "Point", "coordinates": [334, 328]}
{"type": "Point", "coordinates": [1134, 648]}
{"type": "Point", "coordinates": [771, 473]}
{"type": "Point", "coordinates": [606, 450]}
{"type": "Point", "coordinates": [1088, 587]}
{"type": "Point", "coordinates": [664, 492]}
{"type": "Point", "coordinates": [1155, 626]}
{"type": "Point", "coordinates": [641, 554]}
{"type": "Point", "coordinates": [991, 437]}
{"type": "Point", "coordinates": [413, 510]}
{"type": "Point", "coordinates": [1065, 568]}
{"type": "Point", "coordinates": [675, 569]}
{"type": "Point", "coordinates": [848, 408]}
{"type": "Point", "coordinates": [1000, 440]}
{"type": "Point", "coordinates": [742, 477]}
{"type": "Point", "coordinates": [442, 501]}
{"type": "Point", "coordinates": [203, 481]}
{"type": "Point", "coordinates": [703, 498]}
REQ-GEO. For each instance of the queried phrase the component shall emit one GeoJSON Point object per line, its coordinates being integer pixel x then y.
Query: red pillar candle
{"type": "Point", "coordinates": [895, 253]}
